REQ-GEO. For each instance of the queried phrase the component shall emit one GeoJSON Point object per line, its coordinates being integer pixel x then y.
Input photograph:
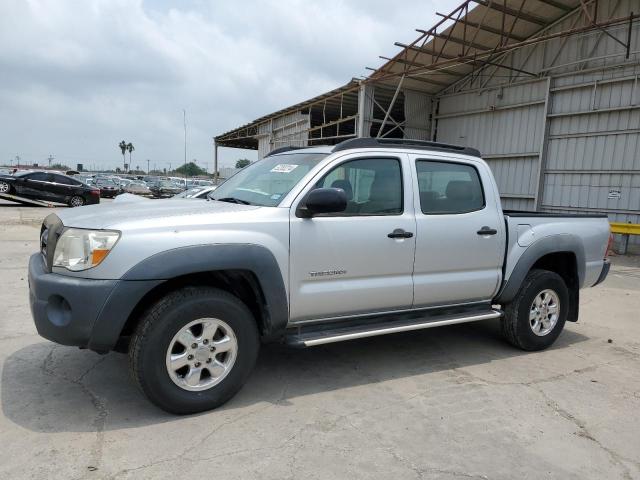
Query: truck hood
{"type": "Point", "coordinates": [167, 212]}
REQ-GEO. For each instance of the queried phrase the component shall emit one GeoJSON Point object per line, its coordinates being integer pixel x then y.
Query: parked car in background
{"type": "Point", "coordinates": [137, 188]}
{"type": "Point", "coordinates": [53, 187]}
{"type": "Point", "coordinates": [196, 192]}
{"type": "Point", "coordinates": [108, 188]}
{"type": "Point", "coordinates": [122, 183]}
{"type": "Point", "coordinates": [86, 179]}
{"type": "Point", "coordinates": [164, 188]}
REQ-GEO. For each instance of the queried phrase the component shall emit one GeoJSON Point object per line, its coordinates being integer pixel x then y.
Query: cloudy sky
{"type": "Point", "coordinates": [78, 76]}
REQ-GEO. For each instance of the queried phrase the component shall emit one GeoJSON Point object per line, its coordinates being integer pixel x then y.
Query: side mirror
{"type": "Point", "coordinates": [323, 200]}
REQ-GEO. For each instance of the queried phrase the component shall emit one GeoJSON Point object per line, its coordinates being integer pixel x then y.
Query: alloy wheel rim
{"type": "Point", "coordinates": [201, 354]}
{"type": "Point", "coordinates": [4, 187]}
{"type": "Point", "coordinates": [544, 312]}
{"type": "Point", "coordinates": [76, 202]}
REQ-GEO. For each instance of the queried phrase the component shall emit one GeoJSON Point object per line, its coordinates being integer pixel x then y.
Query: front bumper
{"type": "Point", "coordinates": [79, 311]}
{"type": "Point", "coordinates": [65, 308]}
{"type": "Point", "coordinates": [603, 274]}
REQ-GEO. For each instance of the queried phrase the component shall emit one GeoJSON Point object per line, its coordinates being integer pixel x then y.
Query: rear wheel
{"type": "Point", "coordinates": [194, 349]}
{"type": "Point", "coordinates": [536, 316]}
{"type": "Point", "coordinates": [5, 187]}
{"type": "Point", "coordinates": [76, 201]}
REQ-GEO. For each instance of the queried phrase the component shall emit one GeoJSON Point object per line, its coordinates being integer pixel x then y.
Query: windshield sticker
{"type": "Point", "coordinates": [284, 168]}
{"type": "Point", "coordinates": [276, 196]}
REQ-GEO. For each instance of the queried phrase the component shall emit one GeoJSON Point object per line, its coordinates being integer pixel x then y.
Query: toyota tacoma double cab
{"type": "Point", "coordinates": [307, 246]}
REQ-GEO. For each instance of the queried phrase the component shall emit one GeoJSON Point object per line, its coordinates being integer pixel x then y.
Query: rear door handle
{"type": "Point", "coordinates": [487, 231]}
{"type": "Point", "coordinates": [400, 233]}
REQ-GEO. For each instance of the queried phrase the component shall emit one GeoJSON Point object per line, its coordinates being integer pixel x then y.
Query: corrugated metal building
{"type": "Point", "coordinates": [546, 89]}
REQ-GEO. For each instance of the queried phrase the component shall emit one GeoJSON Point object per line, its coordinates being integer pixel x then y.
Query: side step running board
{"type": "Point", "coordinates": [304, 337]}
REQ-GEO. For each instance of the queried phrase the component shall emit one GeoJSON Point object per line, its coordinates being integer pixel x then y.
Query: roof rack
{"type": "Point", "coordinates": [404, 142]}
{"type": "Point", "coordinates": [283, 149]}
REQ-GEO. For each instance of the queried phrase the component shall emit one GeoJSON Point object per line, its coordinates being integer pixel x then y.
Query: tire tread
{"type": "Point", "coordinates": [509, 324]}
{"type": "Point", "coordinates": [153, 315]}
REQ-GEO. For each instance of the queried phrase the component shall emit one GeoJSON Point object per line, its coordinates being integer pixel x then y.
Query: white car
{"type": "Point", "coordinates": [196, 192]}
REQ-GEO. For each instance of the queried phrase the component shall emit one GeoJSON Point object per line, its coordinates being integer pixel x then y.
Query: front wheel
{"type": "Point", "coordinates": [5, 187]}
{"type": "Point", "coordinates": [536, 316]}
{"type": "Point", "coordinates": [194, 349]}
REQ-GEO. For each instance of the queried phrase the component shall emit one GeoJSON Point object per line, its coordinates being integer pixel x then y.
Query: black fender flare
{"type": "Point", "coordinates": [546, 245]}
{"type": "Point", "coordinates": [156, 269]}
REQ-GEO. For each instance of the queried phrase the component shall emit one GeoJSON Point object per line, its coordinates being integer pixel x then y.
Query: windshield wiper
{"type": "Point", "coordinates": [233, 200]}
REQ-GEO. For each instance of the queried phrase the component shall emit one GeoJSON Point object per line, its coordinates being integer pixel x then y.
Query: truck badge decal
{"type": "Point", "coordinates": [326, 273]}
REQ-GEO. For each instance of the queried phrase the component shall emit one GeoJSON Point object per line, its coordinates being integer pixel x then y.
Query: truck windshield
{"type": "Point", "coordinates": [267, 181]}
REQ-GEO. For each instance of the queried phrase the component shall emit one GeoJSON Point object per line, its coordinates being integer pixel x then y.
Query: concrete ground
{"type": "Point", "coordinates": [448, 403]}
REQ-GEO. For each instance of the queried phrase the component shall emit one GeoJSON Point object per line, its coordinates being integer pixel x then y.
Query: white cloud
{"type": "Point", "coordinates": [76, 77]}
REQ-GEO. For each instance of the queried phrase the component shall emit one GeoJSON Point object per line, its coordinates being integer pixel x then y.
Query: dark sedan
{"type": "Point", "coordinates": [53, 187]}
{"type": "Point", "coordinates": [164, 188]}
{"type": "Point", "coordinates": [108, 188]}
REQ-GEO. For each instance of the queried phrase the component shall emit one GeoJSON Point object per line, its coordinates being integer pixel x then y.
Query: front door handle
{"type": "Point", "coordinates": [487, 231]}
{"type": "Point", "coordinates": [400, 233]}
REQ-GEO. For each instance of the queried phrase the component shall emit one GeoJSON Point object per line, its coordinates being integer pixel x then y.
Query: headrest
{"type": "Point", "coordinates": [459, 190]}
{"type": "Point", "coordinates": [384, 188]}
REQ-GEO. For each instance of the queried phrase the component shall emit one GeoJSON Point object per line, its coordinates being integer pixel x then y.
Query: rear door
{"type": "Point", "coordinates": [460, 233]}
{"type": "Point", "coordinates": [346, 263]}
{"type": "Point", "coordinates": [63, 188]}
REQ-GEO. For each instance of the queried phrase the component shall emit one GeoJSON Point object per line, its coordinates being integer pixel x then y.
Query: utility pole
{"type": "Point", "coordinates": [147, 166]}
{"type": "Point", "coordinates": [50, 159]}
{"type": "Point", "coordinates": [184, 117]}
{"type": "Point", "coordinates": [215, 161]}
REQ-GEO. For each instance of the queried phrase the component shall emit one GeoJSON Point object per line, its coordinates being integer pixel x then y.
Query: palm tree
{"type": "Point", "coordinates": [123, 147]}
{"type": "Point", "coordinates": [131, 148]}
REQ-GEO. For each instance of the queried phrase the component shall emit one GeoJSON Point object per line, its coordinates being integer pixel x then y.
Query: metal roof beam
{"type": "Point", "coordinates": [484, 28]}
{"type": "Point", "coordinates": [424, 50]}
{"type": "Point", "coordinates": [513, 13]}
{"type": "Point", "coordinates": [416, 64]}
{"type": "Point", "coordinates": [558, 5]}
{"type": "Point", "coordinates": [420, 79]}
{"type": "Point", "coordinates": [457, 40]}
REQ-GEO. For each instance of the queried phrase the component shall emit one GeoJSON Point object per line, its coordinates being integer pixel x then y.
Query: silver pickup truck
{"type": "Point", "coordinates": [307, 246]}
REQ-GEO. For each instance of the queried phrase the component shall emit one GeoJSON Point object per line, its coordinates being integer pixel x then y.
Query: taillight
{"type": "Point", "coordinates": [95, 192]}
{"type": "Point", "coordinates": [609, 246]}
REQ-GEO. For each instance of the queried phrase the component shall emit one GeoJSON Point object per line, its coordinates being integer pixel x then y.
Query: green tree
{"type": "Point", "coordinates": [130, 148]}
{"type": "Point", "coordinates": [190, 170]}
{"type": "Point", "coordinates": [242, 162]}
{"type": "Point", "coordinates": [123, 148]}
{"type": "Point", "coordinates": [59, 166]}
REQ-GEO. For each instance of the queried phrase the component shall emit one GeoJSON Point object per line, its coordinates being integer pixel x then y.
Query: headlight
{"type": "Point", "coordinates": [79, 249]}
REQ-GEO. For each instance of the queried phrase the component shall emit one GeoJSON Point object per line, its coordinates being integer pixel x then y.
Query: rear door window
{"type": "Point", "coordinates": [64, 180]}
{"type": "Point", "coordinates": [449, 188]}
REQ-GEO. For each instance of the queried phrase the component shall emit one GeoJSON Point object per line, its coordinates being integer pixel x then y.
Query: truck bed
{"type": "Point", "coordinates": [585, 235]}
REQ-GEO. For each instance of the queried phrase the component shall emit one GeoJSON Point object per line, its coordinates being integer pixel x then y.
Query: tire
{"type": "Point", "coordinates": [150, 349]}
{"type": "Point", "coordinates": [5, 188]}
{"type": "Point", "coordinates": [516, 326]}
{"type": "Point", "coordinates": [76, 201]}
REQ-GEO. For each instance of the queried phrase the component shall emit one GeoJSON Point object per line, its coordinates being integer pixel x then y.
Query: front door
{"type": "Point", "coordinates": [455, 262]}
{"type": "Point", "coordinates": [346, 263]}
{"type": "Point", "coordinates": [35, 185]}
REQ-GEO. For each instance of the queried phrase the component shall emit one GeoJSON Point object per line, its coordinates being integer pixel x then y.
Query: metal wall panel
{"type": "Point", "coordinates": [594, 139]}
{"type": "Point", "coordinates": [507, 126]}
{"type": "Point", "coordinates": [417, 114]}
{"type": "Point", "coordinates": [591, 148]}
{"type": "Point", "coordinates": [288, 130]}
